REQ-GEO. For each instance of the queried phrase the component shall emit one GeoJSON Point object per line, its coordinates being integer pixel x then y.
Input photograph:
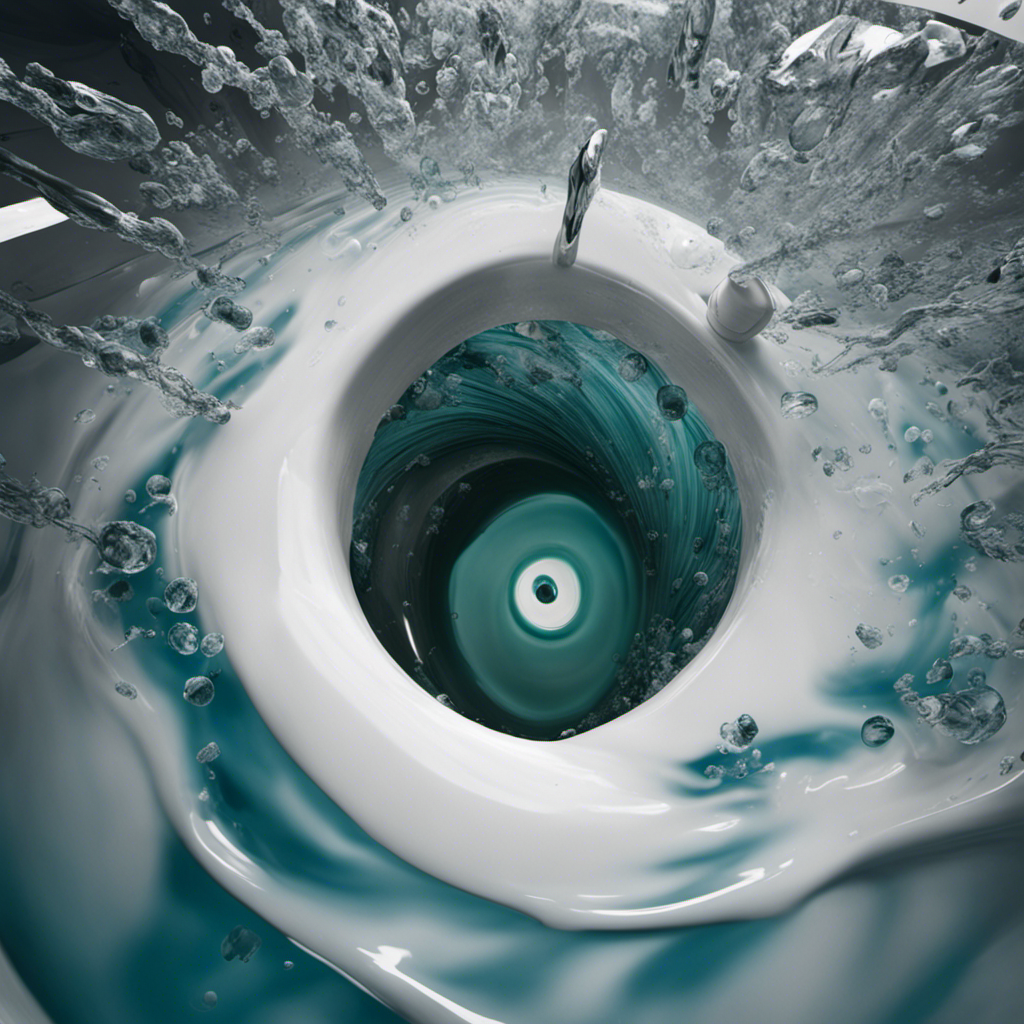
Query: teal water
{"type": "Point", "coordinates": [543, 441]}
{"type": "Point", "coordinates": [86, 964]}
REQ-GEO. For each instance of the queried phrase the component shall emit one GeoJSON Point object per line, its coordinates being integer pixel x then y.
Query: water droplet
{"type": "Point", "coordinates": [798, 404]}
{"type": "Point", "coordinates": [738, 735]}
{"type": "Point", "coordinates": [709, 457]}
{"type": "Point", "coordinates": [158, 486]}
{"type": "Point", "coordinates": [338, 244]}
{"type": "Point", "coordinates": [210, 753]}
{"type": "Point", "coordinates": [877, 731]}
{"type": "Point", "coordinates": [212, 644]}
{"type": "Point", "coordinates": [181, 595]}
{"type": "Point", "coordinates": [240, 943]}
{"type": "Point", "coordinates": [632, 366]}
{"type": "Point", "coordinates": [199, 691]}
{"type": "Point", "coordinates": [970, 716]}
{"type": "Point", "coordinates": [869, 636]}
{"type": "Point", "coordinates": [672, 402]}
{"type": "Point", "coordinates": [127, 546]}
{"type": "Point", "coordinates": [183, 637]}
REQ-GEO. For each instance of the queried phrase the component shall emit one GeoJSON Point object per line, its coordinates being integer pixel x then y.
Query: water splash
{"type": "Point", "coordinates": [863, 164]}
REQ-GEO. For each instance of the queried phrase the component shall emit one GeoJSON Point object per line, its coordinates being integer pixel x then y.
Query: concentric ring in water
{"type": "Point", "coordinates": [540, 540]}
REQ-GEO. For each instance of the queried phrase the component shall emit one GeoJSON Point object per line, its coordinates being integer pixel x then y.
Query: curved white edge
{"type": "Point", "coordinates": [548, 828]}
{"type": "Point", "coordinates": [17, 1004]}
{"type": "Point", "coordinates": [983, 13]}
{"type": "Point", "coordinates": [24, 218]}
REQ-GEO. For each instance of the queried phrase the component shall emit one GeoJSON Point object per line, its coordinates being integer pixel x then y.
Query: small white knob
{"type": "Point", "coordinates": [737, 310]}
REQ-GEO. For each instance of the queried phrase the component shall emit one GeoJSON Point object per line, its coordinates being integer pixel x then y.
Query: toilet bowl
{"type": "Point", "coordinates": [649, 820]}
{"type": "Point", "coordinates": [167, 803]}
{"type": "Point", "coordinates": [589, 831]}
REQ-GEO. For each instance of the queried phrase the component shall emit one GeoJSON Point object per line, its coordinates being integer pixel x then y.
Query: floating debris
{"type": "Point", "coordinates": [966, 646]}
{"type": "Point", "coordinates": [328, 140]}
{"type": "Point", "coordinates": [135, 633]}
{"type": "Point", "coordinates": [120, 591]}
{"type": "Point", "coordinates": [114, 358]}
{"type": "Point", "coordinates": [742, 767]}
{"type": "Point", "coordinates": [85, 120]}
{"type": "Point", "coordinates": [255, 338]}
{"type": "Point", "coordinates": [940, 672]}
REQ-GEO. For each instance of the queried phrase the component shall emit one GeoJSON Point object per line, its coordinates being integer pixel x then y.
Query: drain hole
{"type": "Point", "coordinates": [541, 541]}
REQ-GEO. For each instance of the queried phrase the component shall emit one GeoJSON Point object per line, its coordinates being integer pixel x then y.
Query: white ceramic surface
{"type": "Point", "coordinates": [579, 833]}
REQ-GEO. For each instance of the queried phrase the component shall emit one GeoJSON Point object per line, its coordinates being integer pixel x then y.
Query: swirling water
{"type": "Point", "coordinates": [560, 418]}
{"type": "Point", "coordinates": [108, 916]}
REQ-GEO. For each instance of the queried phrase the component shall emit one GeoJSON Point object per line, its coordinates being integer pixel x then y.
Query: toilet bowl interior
{"type": "Point", "coordinates": [546, 531]}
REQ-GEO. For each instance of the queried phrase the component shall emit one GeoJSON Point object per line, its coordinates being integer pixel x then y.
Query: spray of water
{"type": "Point", "coordinates": [860, 156]}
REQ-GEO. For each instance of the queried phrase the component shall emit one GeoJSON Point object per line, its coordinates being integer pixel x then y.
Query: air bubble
{"type": "Point", "coordinates": [212, 644]}
{"type": "Point", "coordinates": [797, 405]}
{"type": "Point", "coordinates": [127, 546]}
{"type": "Point", "coordinates": [199, 691]}
{"type": "Point", "coordinates": [632, 366]}
{"type": "Point", "coordinates": [672, 402]}
{"type": "Point", "coordinates": [877, 731]}
{"type": "Point", "coordinates": [181, 595]}
{"type": "Point", "coordinates": [183, 637]}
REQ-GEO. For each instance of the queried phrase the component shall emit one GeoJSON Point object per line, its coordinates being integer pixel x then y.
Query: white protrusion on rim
{"type": "Point", "coordinates": [23, 218]}
{"type": "Point", "coordinates": [557, 613]}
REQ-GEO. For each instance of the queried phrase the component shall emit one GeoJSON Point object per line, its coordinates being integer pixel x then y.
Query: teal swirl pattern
{"type": "Point", "coordinates": [546, 530]}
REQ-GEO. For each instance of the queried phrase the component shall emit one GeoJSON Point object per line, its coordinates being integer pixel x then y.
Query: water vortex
{"type": "Point", "coordinates": [545, 529]}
